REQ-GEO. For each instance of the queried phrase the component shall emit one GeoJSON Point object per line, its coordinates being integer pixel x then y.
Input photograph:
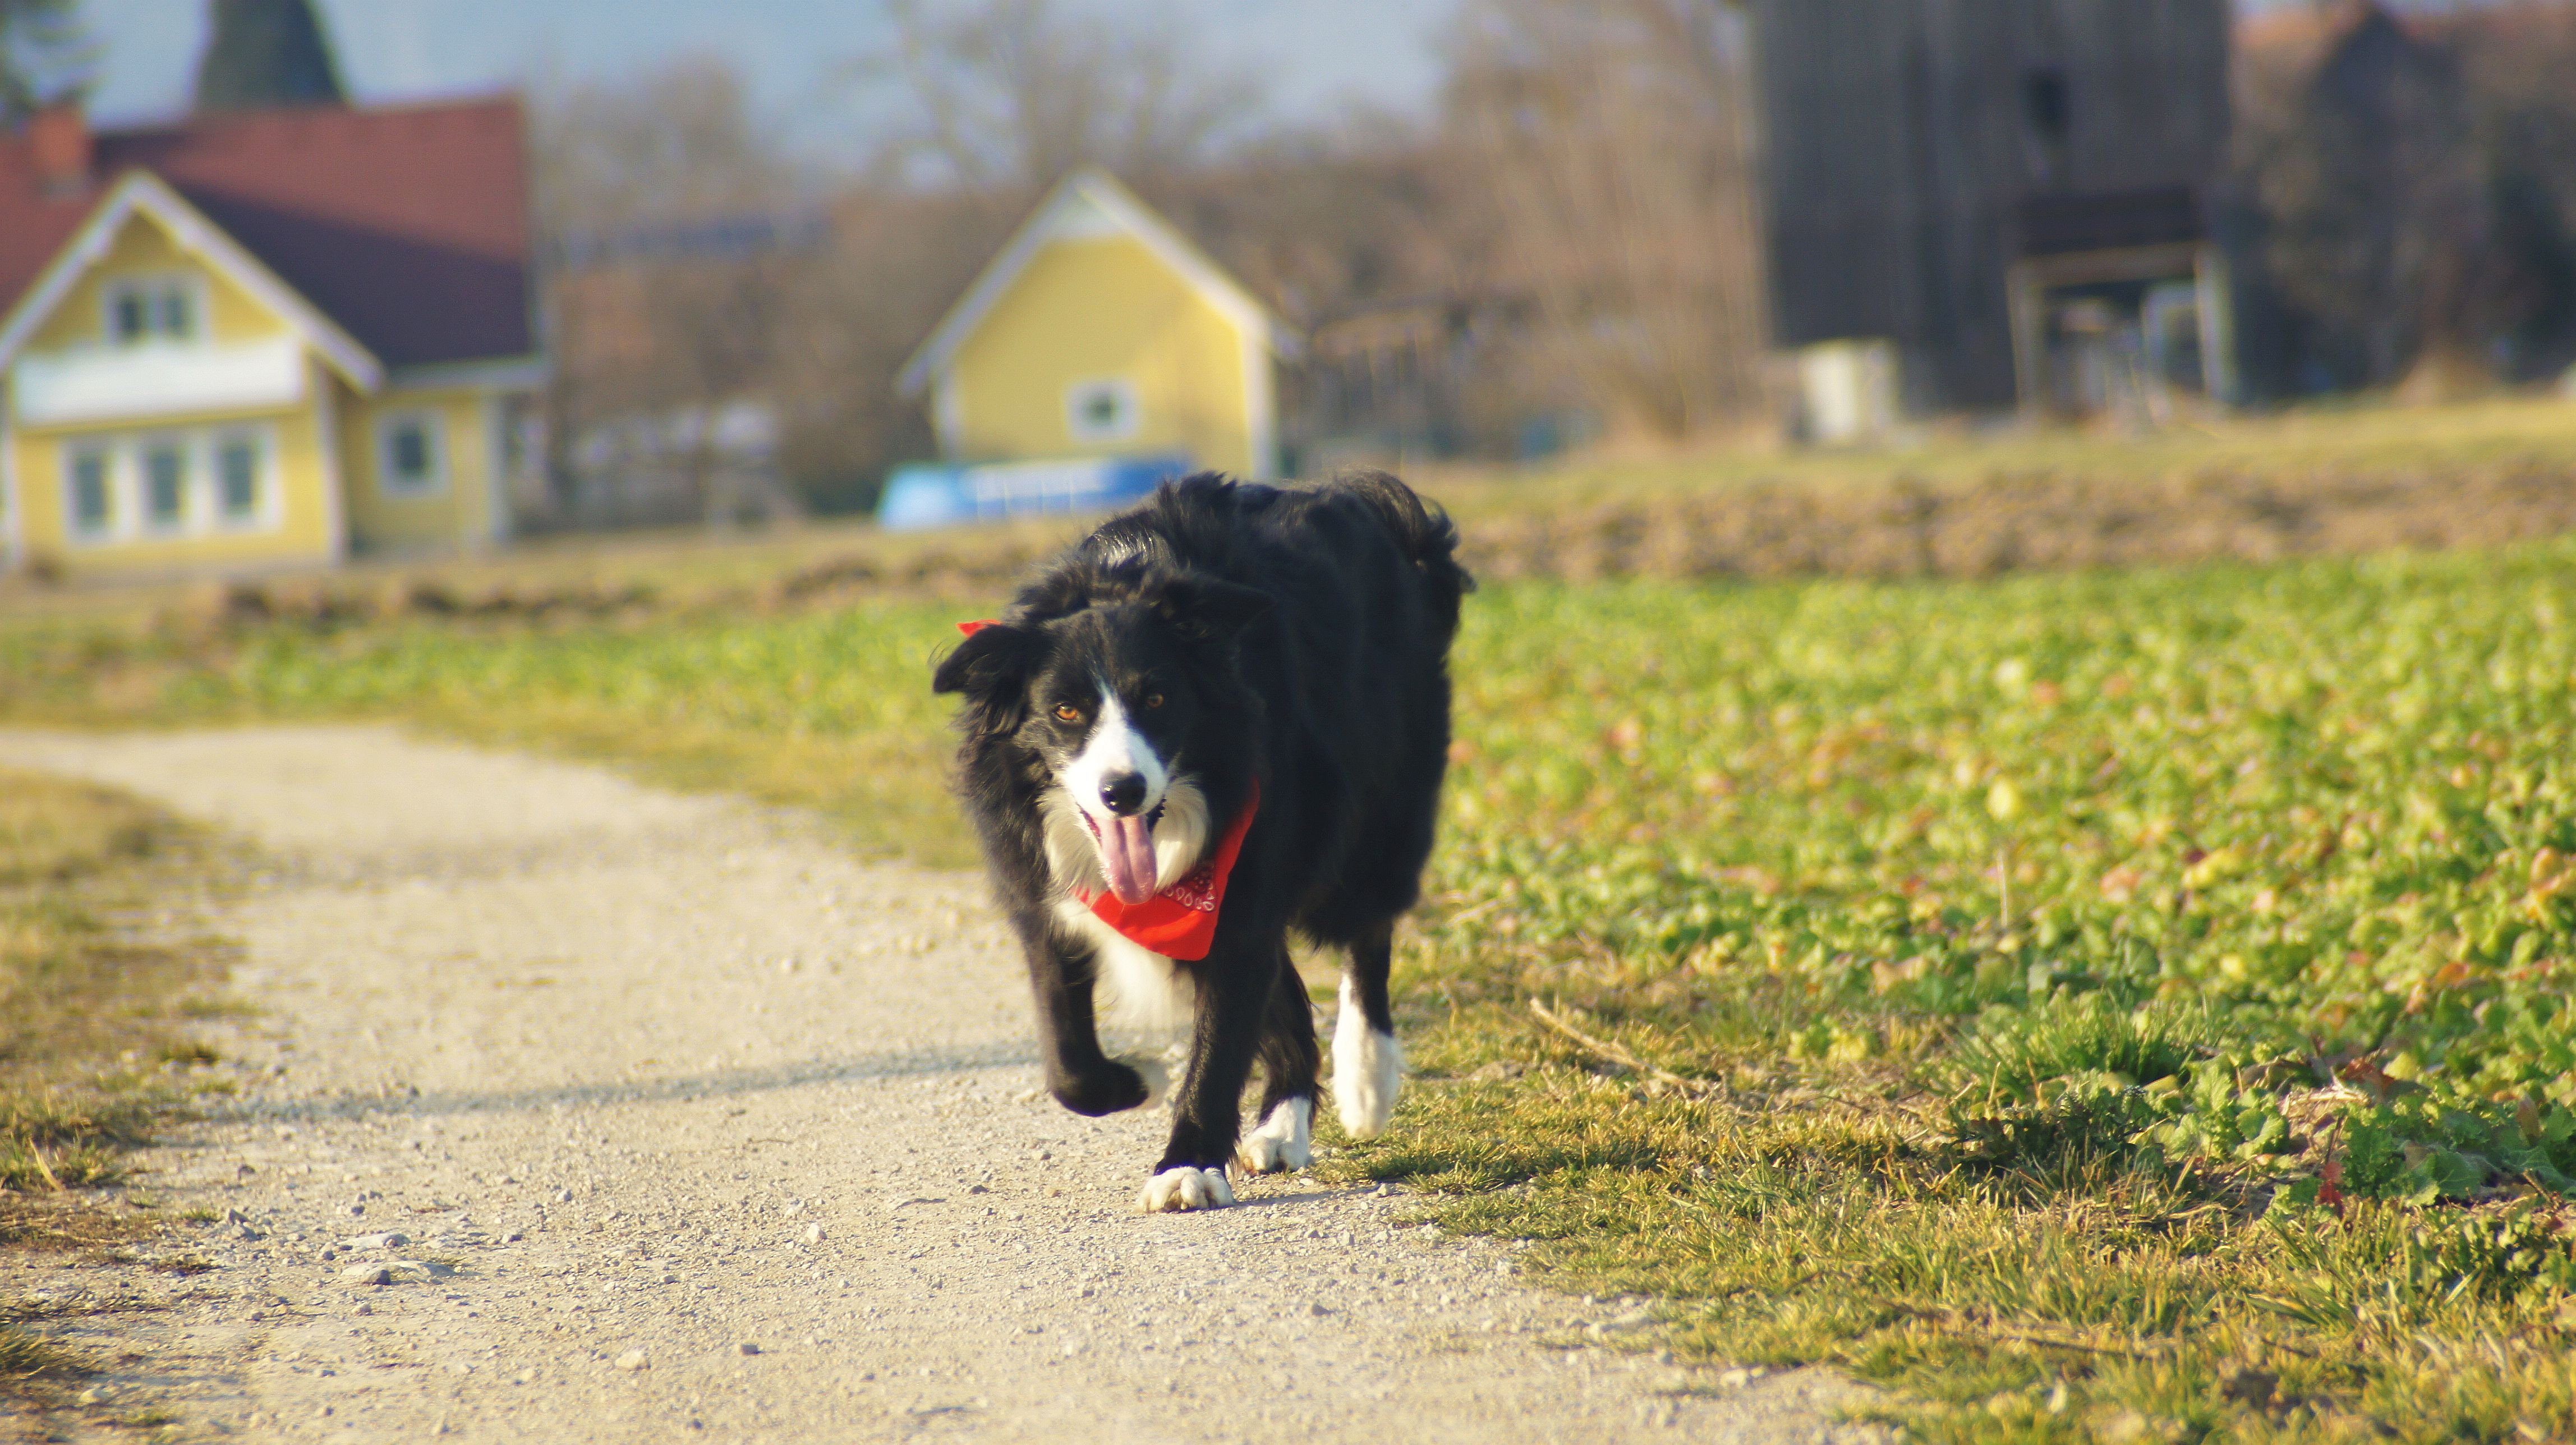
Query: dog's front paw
{"type": "Point", "coordinates": [1111, 1088]}
{"type": "Point", "coordinates": [1283, 1142]}
{"type": "Point", "coordinates": [1186, 1187]}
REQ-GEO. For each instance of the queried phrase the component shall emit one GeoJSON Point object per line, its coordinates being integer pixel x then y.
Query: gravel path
{"type": "Point", "coordinates": [696, 1125]}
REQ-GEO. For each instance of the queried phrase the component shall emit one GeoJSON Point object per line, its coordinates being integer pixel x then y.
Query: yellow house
{"type": "Point", "coordinates": [263, 340]}
{"type": "Point", "coordinates": [1099, 331]}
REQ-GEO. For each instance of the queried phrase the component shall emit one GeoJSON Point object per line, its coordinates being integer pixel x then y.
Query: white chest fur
{"type": "Point", "coordinates": [1137, 988]}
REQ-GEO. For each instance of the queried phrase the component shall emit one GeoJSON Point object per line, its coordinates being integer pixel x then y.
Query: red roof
{"type": "Point", "coordinates": [407, 225]}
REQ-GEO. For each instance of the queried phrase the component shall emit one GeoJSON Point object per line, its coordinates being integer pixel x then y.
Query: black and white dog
{"type": "Point", "coordinates": [1219, 719]}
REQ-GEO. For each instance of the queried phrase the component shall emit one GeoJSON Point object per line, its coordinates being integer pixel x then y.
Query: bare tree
{"type": "Point", "coordinates": [660, 323]}
{"type": "Point", "coordinates": [46, 55]}
{"type": "Point", "coordinates": [673, 144]}
{"type": "Point", "coordinates": [2519, 62]}
{"type": "Point", "coordinates": [2415, 180]}
{"type": "Point", "coordinates": [1613, 134]}
{"type": "Point", "coordinates": [1011, 94]}
{"type": "Point", "coordinates": [990, 102]}
{"type": "Point", "coordinates": [1380, 243]}
{"type": "Point", "coordinates": [1574, 229]}
{"type": "Point", "coordinates": [898, 257]}
{"type": "Point", "coordinates": [2370, 186]}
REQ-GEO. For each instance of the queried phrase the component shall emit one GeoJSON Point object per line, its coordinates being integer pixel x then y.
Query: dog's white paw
{"type": "Point", "coordinates": [1283, 1141]}
{"type": "Point", "coordinates": [1368, 1069]}
{"type": "Point", "coordinates": [1185, 1188]}
{"type": "Point", "coordinates": [1366, 1076]}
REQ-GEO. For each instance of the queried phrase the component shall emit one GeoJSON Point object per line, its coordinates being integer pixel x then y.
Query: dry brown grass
{"type": "Point", "coordinates": [91, 1048]}
{"type": "Point", "coordinates": [76, 992]}
{"type": "Point", "coordinates": [1948, 503]}
{"type": "Point", "coordinates": [2039, 521]}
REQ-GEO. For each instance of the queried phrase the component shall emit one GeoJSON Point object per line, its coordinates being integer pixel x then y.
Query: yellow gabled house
{"type": "Point", "coordinates": [266, 340]}
{"type": "Point", "coordinates": [1099, 331]}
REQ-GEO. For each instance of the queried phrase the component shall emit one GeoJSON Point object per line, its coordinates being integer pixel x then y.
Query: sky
{"type": "Point", "coordinates": [1310, 55]}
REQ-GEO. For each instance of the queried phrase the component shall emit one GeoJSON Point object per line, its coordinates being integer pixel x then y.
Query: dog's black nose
{"type": "Point", "coordinates": [1124, 794]}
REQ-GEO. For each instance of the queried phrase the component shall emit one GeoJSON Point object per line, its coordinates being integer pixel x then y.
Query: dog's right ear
{"type": "Point", "coordinates": [991, 667]}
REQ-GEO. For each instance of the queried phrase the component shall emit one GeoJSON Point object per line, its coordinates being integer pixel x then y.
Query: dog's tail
{"type": "Point", "coordinates": [1423, 530]}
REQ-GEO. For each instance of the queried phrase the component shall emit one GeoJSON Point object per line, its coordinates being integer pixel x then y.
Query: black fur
{"type": "Point", "coordinates": [1294, 636]}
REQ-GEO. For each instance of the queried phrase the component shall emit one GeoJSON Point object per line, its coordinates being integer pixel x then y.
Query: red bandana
{"type": "Point", "coordinates": [1180, 921]}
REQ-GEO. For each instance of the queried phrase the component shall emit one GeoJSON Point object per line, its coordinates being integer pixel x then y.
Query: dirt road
{"type": "Point", "coordinates": [699, 1129]}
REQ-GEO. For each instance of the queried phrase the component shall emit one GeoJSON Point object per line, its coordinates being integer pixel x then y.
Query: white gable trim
{"type": "Point", "coordinates": [1077, 207]}
{"type": "Point", "coordinates": [144, 193]}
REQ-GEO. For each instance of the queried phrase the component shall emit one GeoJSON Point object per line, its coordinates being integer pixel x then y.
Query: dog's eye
{"type": "Point", "coordinates": [1067, 712]}
{"type": "Point", "coordinates": [1153, 699]}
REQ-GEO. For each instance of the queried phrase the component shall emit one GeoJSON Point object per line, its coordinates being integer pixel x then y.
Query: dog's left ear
{"type": "Point", "coordinates": [1207, 609]}
{"type": "Point", "coordinates": [992, 668]}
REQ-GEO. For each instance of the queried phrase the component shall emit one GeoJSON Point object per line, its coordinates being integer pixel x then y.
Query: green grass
{"type": "Point", "coordinates": [2120, 1007]}
{"type": "Point", "coordinates": [2143, 994]}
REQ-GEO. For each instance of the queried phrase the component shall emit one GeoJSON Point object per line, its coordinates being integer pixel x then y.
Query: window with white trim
{"type": "Point", "coordinates": [411, 453]}
{"type": "Point", "coordinates": [165, 484]}
{"type": "Point", "coordinates": [240, 468]}
{"type": "Point", "coordinates": [172, 485]}
{"type": "Point", "coordinates": [143, 309]}
{"type": "Point", "coordinates": [1102, 410]}
{"type": "Point", "coordinates": [90, 484]}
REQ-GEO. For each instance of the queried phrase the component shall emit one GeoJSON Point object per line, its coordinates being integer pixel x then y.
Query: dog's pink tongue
{"type": "Point", "coordinates": [1127, 851]}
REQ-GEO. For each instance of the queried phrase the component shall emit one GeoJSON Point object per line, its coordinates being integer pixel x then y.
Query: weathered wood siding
{"type": "Point", "coordinates": [1899, 141]}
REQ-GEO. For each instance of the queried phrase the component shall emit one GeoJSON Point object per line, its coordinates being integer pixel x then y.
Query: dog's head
{"type": "Point", "coordinates": [1109, 702]}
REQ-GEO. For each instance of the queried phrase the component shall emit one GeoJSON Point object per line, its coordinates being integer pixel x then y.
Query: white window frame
{"type": "Point", "coordinates": [201, 511]}
{"type": "Point", "coordinates": [153, 285]}
{"type": "Point", "coordinates": [1077, 403]}
{"type": "Point", "coordinates": [433, 424]}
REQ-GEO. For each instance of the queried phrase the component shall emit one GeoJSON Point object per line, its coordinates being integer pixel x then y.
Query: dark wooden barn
{"type": "Point", "coordinates": [2012, 192]}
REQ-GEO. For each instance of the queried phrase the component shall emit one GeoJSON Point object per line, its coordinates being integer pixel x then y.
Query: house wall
{"type": "Point", "coordinates": [295, 527]}
{"type": "Point", "coordinates": [324, 488]}
{"type": "Point", "coordinates": [461, 508]}
{"type": "Point", "coordinates": [143, 248]}
{"type": "Point", "coordinates": [294, 524]}
{"type": "Point", "coordinates": [1900, 138]}
{"type": "Point", "coordinates": [1094, 309]}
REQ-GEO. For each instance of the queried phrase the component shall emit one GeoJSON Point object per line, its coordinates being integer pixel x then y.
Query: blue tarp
{"type": "Point", "coordinates": [928, 494]}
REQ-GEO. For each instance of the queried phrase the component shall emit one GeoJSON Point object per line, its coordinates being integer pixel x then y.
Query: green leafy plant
{"type": "Point", "coordinates": [2113, 1006]}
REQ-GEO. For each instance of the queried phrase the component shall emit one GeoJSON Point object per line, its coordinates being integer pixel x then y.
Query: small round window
{"type": "Point", "coordinates": [1101, 411]}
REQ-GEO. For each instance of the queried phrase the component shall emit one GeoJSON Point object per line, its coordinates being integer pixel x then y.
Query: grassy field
{"type": "Point", "coordinates": [2357, 449]}
{"type": "Point", "coordinates": [2120, 1007]}
{"type": "Point", "coordinates": [92, 1030]}
{"type": "Point", "coordinates": [2116, 1006]}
